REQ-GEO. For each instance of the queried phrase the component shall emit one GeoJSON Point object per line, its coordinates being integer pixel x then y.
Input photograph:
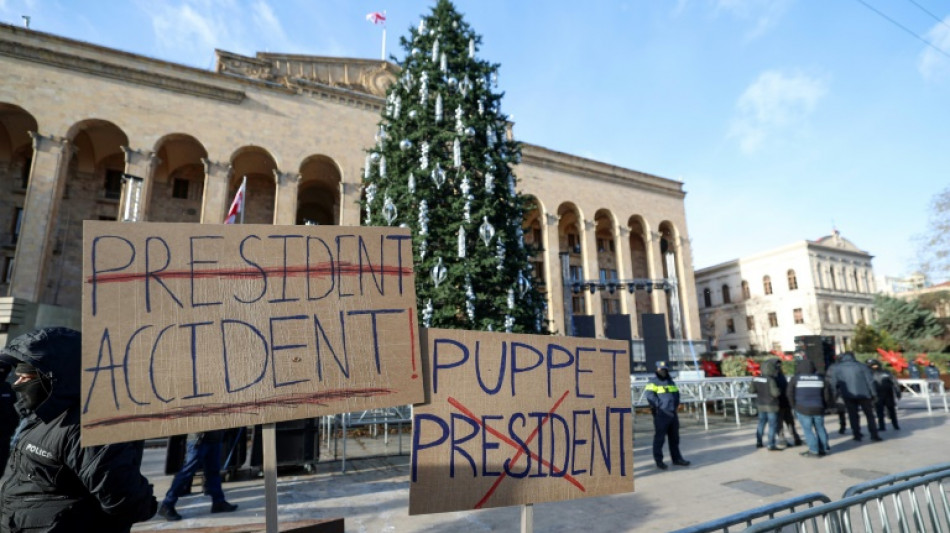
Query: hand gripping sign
{"type": "Point", "coordinates": [193, 327]}
{"type": "Point", "coordinates": [516, 419]}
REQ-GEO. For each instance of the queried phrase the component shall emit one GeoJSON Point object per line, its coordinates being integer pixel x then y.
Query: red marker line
{"type": "Point", "coordinates": [289, 400]}
{"type": "Point", "coordinates": [314, 271]}
{"type": "Point", "coordinates": [512, 443]}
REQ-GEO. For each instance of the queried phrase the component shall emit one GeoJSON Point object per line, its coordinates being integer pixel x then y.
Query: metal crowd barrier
{"type": "Point", "coordinates": [371, 417]}
{"type": "Point", "coordinates": [919, 504]}
{"type": "Point", "coordinates": [926, 389]}
{"type": "Point", "coordinates": [701, 391]}
{"type": "Point", "coordinates": [745, 518]}
{"type": "Point", "coordinates": [894, 478]}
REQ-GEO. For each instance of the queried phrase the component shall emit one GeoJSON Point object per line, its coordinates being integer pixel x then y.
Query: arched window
{"type": "Point", "coordinates": [767, 284]}
{"type": "Point", "coordinates": [707, 297]}
{"type": "Point", "coordinates": [746, 294]}
{"type": "Point", "coordinates": [725, 294]}
{"type": "Point", "coordinates": [792, 280]}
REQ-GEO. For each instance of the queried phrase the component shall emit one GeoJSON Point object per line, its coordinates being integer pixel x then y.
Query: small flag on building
{"type": "Point", "coordinates": [376, 17]}
{"type": "Point", "coordinates": [237, 206]}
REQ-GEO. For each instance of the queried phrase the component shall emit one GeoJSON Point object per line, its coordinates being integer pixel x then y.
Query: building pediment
{"type": "Point", "coordinates": [361, 75]}
{"type": "Point", "coordinates": [835, 240]}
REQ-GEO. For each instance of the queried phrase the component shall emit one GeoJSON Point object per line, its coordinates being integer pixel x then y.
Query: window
{"type": "Point", "coordinates": [535, 235]}
{"type": "Point", "coordinates": [537, 270]}
{"type": "Point", "coordinates": [746, 294]}
{"type": "Point", "coordinates": [113, 185]}
{"type": "Point", "coordinates": [841, 318]}
{"type": "Point", "coordinates": [25, 173]}
{"type": "Point", "coordinates": [577, 304]}
{"type": "Point", "coordinates": [610, 306]}
{"type": "Point", "coordinates": [577, 273]}
{"type": "Point", "coordinates": [180, 189]}
{"type": "Point", "coordinates": [725, 295]}
{"type": "Point", "coordinates": [831, 278]}
{"type": "Point", "coordinates": [730, 326]}
{"type": "Point", "coordinates": [17, 223]}
{"type": "Point", "coordinates": [605, 245]}
{"type": "Point", "coordinates": [573, 243]}
{"type": "Point", "coordinates": [792, 280]}
{"type": "Point", "coordinates": [799, 317]}
{"type": "Point", "coordinates": [773, 320]}
{"type": "Point", "coordinates": [750, 323]}
{"type": "Point", "coordinates": [7, 270]}
{"type": "Point", "coordinates": [767, 284]}
{"type": "Point", "coordinates": [854, 279]}
{"type": "Point", "coordinates": [707, 297]}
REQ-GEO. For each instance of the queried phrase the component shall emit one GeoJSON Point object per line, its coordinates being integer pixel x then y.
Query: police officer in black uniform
{"type": "Point", "coordinates": [664, 399]}
{"type": "Point", "coordinates": [52, 483]}
{"type": "Point", "coordinates": [888, 392]}
{"type": "Point", "coordinates": [8, 415]}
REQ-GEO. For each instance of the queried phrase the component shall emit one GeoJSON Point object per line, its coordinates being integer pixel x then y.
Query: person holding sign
{"type": "Point", "coordinates": [52, 483]}
{"type": "Point", "coordinates": [664, 398]}
{"type": "Point", "coordinates": [203, 452]}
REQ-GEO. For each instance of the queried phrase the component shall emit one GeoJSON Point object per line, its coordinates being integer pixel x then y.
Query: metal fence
{"type": "Point", "coordinates": [736, 391]}
{"type": "Point", "coordinates": [916, 505]}
{"type": "Point", "coordinates": [928, 389]}
{"type": "Point", "coordinates": [745, 518]}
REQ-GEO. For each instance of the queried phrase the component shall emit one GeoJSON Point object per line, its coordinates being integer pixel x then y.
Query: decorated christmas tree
{"type": "Point", "coordinates": [442, 167]}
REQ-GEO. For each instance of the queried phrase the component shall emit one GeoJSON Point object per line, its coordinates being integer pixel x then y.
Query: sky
{"type": "Point", "coordinates": [784, 119]}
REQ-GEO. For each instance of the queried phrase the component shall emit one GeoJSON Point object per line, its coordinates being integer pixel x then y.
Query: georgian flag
{"type": "Point", "coordinates": [376, 17]}
{"type": "Point", "coordinates": [237, 205]}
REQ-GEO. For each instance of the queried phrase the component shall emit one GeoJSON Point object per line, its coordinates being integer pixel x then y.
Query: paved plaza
{"type": "Point", "coordinates": [728, 475]}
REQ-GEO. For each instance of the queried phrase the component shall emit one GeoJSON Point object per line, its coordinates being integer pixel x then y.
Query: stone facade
{"type": "Point", "coordinates": [765, 300]}
{"type": "Point", "coordinates": [76, 118]}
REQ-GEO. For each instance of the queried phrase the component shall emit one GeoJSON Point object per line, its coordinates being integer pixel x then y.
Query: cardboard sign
{"type": "Point", "coordinates": [193, 327]}
{"type": "Point", "coordinates": [516, 419]}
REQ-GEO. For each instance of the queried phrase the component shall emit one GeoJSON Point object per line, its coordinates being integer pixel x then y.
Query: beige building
{"type": "Point", "coordinates": [77, 120]}
{"type": "Point", "coordinates": [764, 301]}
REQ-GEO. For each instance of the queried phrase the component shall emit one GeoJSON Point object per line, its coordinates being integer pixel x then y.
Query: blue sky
{"type": "Point", "coordinates": [783, 118]}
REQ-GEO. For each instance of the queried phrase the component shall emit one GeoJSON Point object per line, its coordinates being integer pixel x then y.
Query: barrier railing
{"type": "Point", "coordinates": [745, 518]}
{"type": "Point", "coordinates": [701, 391]}
{"type": "Point", "coordinates": [918, 504]}
{"type": "Point", "coordinates": [926, 389]}
{"type": "Point", "coordinates": [894, 478]}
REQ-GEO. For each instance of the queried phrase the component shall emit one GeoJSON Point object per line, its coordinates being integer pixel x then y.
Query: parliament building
{"type": "Point", "coordinates": [93, 133]}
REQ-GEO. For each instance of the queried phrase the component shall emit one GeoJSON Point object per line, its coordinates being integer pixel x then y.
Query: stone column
{"type": "Point", "coordinates": [138, 164]}
{"type": "Point", "coordinates": [214, 204]}
{"type": "Point", "coordinates": [592, 273]}
{"type": "Point", "coordinates": [553, 278]}
{"type": "Point", "coordinates": [655, 264]}
{"type": "Point", "coordinates": [625, 271]}
{"type": "Point", "coordinates": [51, 156]}
{"type": "Point", "coordinates": [285, 201]}
{"type": "Point", "coordinates": [687, 291]}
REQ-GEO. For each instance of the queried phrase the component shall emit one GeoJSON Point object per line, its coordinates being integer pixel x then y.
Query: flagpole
{"type": "Point", "coordinates": [243, 200]}
{"type": "Point", "coordinates": [384, 44]}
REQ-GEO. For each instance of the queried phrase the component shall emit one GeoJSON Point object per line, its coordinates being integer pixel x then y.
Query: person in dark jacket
{"type": "Point", "coordinates": [931, 371]}
{"type": "Point", "coordinates": [204, 452]}
{"type": "Point", "coordinates": [52, 484]}
{"type": "Point", "coordinates": [854, 383]}
{"type": "Point", "coordinates": [785, 417]}
{"type": "Point", "coordinates": [837, 404]}
{"type": "Point", "coordinates": [767, 402]}
{"type": "Point", "coordinates": [664, 399]}
{"type": "Point", "coordinates": [809, 394]}
{"type": "Point", "coordinates": [887, 391]}
{"type": "Point", "coordinates": [9, 418]}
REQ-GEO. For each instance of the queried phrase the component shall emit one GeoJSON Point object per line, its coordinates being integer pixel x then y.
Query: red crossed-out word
{"type": "Point", "coordinates": [514, 459]}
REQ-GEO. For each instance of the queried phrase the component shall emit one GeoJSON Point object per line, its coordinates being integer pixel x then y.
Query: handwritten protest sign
{"type": "Point", "coordinates": [515, 419]}
{"type": "Point", "coordinates": [191, 327]}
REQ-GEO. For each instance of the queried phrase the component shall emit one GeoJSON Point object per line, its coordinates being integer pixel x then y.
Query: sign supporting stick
{"type": "Point", "coordinates": [269, 439]}
{"type": "Point", "coordinates": [527, 518]}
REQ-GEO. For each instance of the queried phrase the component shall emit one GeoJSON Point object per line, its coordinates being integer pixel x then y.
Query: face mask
{"type": "Point", "coordinates": [32, 393]}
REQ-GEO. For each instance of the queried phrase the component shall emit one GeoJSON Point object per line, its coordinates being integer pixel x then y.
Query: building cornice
{"type": "Point", "coordinates": [576, 166]}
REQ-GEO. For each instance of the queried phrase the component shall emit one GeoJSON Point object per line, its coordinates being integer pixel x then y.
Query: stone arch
{"type": "Point", "coordinates": [178, 182]}
{"type": "Point", "coordinates": [608, 265]}
{"type": "Point", "coordinates": [672, 269]}
{"type": "Point", "coordinates": [570, 230]}
{"type": "Point", "coordinates": [258, 165]}
{"type": "Point", "coordinates": [93, 184]}
{"type": "Point", "coordinates": [534, 238]}
{"type": "Point", "coordinates": [16, 158]}
{"type": "Point", "coordinates": [638, 241]}
{"type": "Point", "coordinates": [318, 195]}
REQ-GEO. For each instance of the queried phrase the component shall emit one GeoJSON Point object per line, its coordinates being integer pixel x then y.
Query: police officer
{"type": "Point", "coordinates": [664, 399]}
{"type": "Point", "coordinates": [931, 371]}
{"type": "Point", "coordinates": [888, 392]}
{"type": "Point", "coordinates": [767, 402]}
{"type": "Point", "coordinates": [52, 483]}
{"type": "Point", "coordinates": [854, 383]}
{"type": "Point", "coordinates": [809, 395]}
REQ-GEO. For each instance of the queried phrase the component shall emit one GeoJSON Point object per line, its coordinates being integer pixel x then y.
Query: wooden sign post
{"type": "Point", "coordinates": [520, 419]}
